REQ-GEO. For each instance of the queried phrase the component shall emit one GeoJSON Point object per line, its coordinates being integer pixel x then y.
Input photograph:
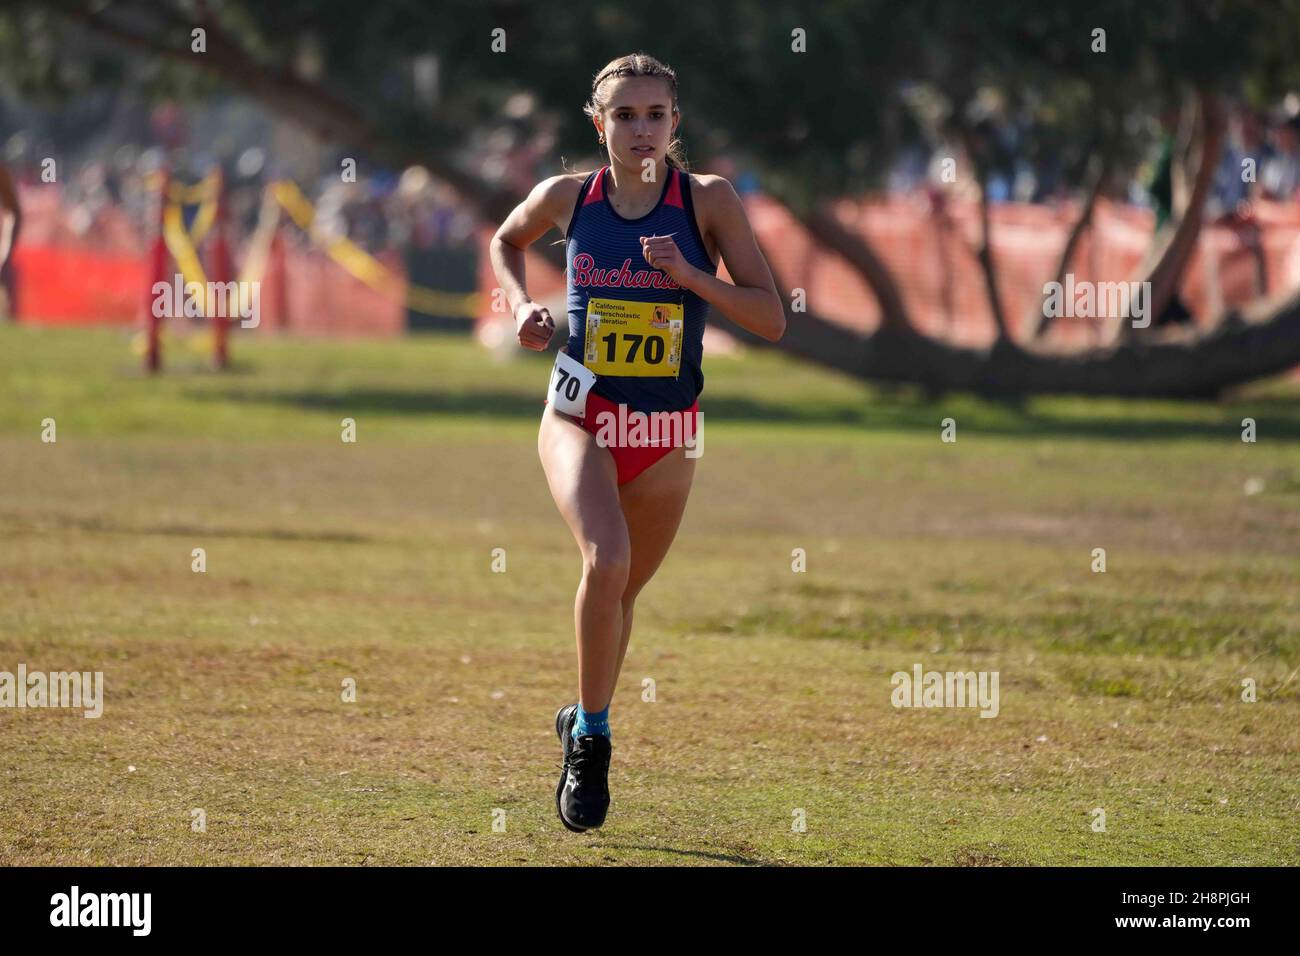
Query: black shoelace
{"type": "Point", "coordinates": [582, 760]}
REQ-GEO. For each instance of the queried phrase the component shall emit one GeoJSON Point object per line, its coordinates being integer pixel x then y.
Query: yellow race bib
{"type": "Point", "coordinates": [633, 338]}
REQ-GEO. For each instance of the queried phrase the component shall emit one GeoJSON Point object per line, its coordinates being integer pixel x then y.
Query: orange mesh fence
{"type": "Point", "coordinates": [325, 300]}
{"type": "Point", "coordinates": [66, 285]}
{"type": "Point", "coordinates": [935, 265]}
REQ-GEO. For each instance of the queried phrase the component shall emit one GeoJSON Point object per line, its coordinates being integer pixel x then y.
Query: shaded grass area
{"type": "Point", "coordinates": [753, 696]}
{"type": "Point", "coordinates": [428, 378]}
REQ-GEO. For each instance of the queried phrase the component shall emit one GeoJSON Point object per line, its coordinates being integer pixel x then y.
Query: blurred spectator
{"type": "Point", "coordinates": [1279, 173]}
{"type": "Point", "coordinates": [1230, 188]}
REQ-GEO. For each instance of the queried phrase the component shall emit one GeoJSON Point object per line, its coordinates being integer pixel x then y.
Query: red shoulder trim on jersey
{"type": "Point", "coordinates": [674, 195]}
{"type": "Point", "coordinates": [597, 191]}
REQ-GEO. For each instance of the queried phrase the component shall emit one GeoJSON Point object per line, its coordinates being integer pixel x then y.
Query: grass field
{"type": "Point", "coordinates": [373, 561]}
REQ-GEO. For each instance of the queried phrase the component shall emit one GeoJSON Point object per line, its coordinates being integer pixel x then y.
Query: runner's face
{"type": "Point", "coordinates": [640, 114]}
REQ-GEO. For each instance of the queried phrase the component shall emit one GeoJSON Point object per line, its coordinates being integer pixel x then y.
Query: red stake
{"type": "Point", "coordinates": [278, 274]}
{"type": "Point", "coordinates": [157, 266]}
{"type": "Point", "coordinates": [221, 272]}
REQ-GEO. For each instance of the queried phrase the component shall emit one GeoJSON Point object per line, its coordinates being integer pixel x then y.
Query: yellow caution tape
{"type": "Point", "coordinates": [181, 247]}
{"type": "Point", "coordinates": [259, 246]}
{"type": "Point", "coordinates": [361, 264]}
{"type": "Point", "coordinates": [203, 191]}
{"type": "Point", "coordinates": [183, 243]}
{"type": "Point", "coordinates": [203, 221]}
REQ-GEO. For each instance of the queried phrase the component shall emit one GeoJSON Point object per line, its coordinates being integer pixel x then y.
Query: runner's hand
{"type": "Point", "coordinates": [661, 253]}
{"type": "Point", "coordinates": [534, 325]}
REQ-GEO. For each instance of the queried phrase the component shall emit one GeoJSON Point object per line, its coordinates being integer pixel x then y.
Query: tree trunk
{"type": "Point", "coordinates": [825, 227]}
{"type": "Point", "coordinates": [1040, 322]}
{"type": "Point", "coordinates": [1167, 274]}
{"type": "Point", "coordinates": [984, 255]}
{"type": "Point", "coordinates": [1264, 341]}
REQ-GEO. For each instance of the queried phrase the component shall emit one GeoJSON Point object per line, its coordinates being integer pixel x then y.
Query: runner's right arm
{"type": "Point", "coordinates": [527, 223]}
{"type": "Point", "coordinates": [10, 215]}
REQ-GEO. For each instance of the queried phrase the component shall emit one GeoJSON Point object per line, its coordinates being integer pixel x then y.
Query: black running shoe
{"type": "Point", "coordinates": [586, 791]}
{"type": "Point", "coordinates": [565, 718]}
{"type": "Point", "coordinates": [582, 797]}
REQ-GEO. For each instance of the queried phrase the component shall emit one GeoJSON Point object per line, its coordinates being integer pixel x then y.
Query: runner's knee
{"type": "Point", "coordinates": [607, 563]}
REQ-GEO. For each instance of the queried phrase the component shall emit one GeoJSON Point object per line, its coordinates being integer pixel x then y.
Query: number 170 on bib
{"type": "Point", "coordinates": [633, 338]}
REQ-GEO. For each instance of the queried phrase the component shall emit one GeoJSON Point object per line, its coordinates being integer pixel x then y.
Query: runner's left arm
{"type": "Point", "coordinates": [753, 302]}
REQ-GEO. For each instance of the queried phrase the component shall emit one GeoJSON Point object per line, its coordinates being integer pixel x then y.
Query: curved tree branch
{"type": "Point", "coordinates": [1039, 322]}
{"type": "Point", "coordinates": [824, 226]}
{"type": "Point", "coordinates": [984, 255]}
{"type": "Point", "coordinates": [1172, 260]}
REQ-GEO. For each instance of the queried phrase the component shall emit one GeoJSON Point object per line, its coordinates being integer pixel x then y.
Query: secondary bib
{"type": "Point", "coordinates": [641, 339]}
{"type": "Point", "coordinates": [570, 383]}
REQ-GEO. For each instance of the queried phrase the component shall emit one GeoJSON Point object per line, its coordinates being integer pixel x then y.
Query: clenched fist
{"type": "Point", "coordinates": [661, 253]}
{"type": "Point", "coordinates": [534, 325]}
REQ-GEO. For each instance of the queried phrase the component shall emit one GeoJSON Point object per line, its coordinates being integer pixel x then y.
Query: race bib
{"type": "Point", "coordinates": [633, 338]}
{"type": "Point", "coordinates": [570, 383]}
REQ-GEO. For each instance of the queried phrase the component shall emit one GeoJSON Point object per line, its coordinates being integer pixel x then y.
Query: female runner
{"type": "Point", "coordinates": [643, 239]}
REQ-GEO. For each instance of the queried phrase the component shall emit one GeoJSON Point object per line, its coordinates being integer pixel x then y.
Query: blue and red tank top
{"type": "Point", "coordinates": [605, 262]}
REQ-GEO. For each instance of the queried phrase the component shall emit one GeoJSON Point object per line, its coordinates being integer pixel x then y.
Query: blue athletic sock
{"type": "Point", "coordinates": [596, 722]}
